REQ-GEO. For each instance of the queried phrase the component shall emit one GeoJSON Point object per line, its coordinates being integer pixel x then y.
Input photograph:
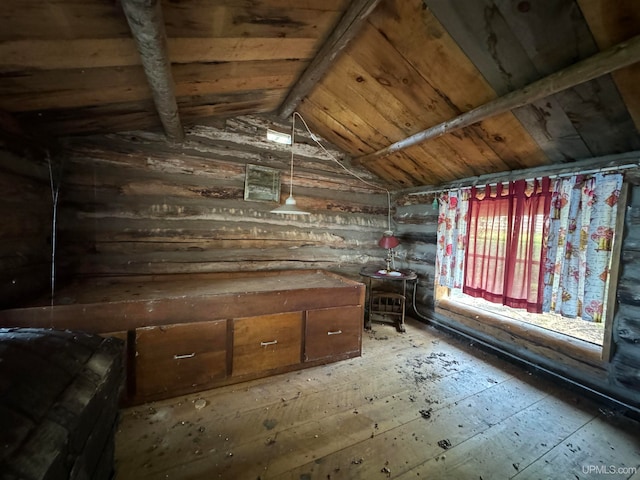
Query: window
{"type": "Point", "coordinates": [536, 251]}
{"type": "Point", "coordinates": [504, 254]}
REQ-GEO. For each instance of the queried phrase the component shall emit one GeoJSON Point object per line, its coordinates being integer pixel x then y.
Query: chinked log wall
{"type": "Point", "coordinates": [625, 366]}
{"type": "Point", "coordinates": [25, 228]}
{"type": "Point", "coordinates": [416, 226]}
{"type": "Point", "coordinates": [134, 204]}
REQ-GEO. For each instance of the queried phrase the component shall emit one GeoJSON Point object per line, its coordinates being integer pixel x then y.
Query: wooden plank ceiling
{"type": "Point", "coordinates": [71, 67]}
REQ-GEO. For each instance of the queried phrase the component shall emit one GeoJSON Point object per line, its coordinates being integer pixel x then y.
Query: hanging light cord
{"type": "Point", "coordinates": [354, 174]}
{"type": "Point", "coordinates": [293, 136]}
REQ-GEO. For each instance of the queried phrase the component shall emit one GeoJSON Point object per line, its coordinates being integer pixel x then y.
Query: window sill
{"type": "Point", "coordinates": [557, 347]}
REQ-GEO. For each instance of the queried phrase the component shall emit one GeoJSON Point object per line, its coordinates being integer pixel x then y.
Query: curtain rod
{"type": "Point", "coordinates": [556, 175]}
{"type": "Point", "coordinates": [569, 174]}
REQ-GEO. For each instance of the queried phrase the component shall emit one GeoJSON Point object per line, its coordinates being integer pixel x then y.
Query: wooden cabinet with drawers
{"type": "Point", "coordinates": [182, 358]}
{"type": "Point", "coordinates": [333, 332]}
{"type": "Point", "coordinates": [191, 332]}
{"type": "Point", "coordinates": [265, 343]}
{"type": "Point", "coordinates": [173, 359]}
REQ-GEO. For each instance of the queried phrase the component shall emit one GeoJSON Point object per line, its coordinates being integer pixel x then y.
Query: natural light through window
{"type": "Point", "coordinates": [534, 251]}
{"type": "Point", "coordinates": [592, 332]}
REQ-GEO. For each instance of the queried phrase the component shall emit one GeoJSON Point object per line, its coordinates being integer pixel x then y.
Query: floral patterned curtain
{"type": "Point", "coordinates": [452, 232]}
{"type": "Point", "coordinates": [581, 231]}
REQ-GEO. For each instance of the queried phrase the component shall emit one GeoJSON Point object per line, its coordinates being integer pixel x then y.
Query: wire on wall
{"type": "Point", "coordinates": [55, 191]}
{"type": "Point", "coordinates": [353, 174]}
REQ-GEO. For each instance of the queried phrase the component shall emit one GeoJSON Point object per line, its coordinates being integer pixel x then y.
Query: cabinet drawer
{"type": "Point", "coordinates": [333, 331]}
{"type": "Point", "coordinates": [266, 342]}
{"type": "Point", "coordinates": [178, 357]}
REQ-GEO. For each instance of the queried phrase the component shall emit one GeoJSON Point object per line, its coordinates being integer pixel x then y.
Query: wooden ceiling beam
{"type": "Point", "coordinates": [147, 26]}
{"type": "Point", "coordinates": [347, 28]}
{"type": "Point", "coordinates": [614, 58]}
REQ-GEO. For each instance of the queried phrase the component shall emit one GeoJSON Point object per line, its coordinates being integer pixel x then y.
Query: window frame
{"type": "Point", "coordinates": [580, 349]}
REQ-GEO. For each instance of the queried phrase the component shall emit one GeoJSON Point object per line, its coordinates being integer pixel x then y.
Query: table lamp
{"type": "Point", "coordinates": [389, 241]}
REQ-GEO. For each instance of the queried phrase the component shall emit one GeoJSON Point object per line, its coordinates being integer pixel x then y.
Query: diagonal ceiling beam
{"type": "Point", "coordinates": [614, 58]}
{"type": "Point", "coordinates": [347, 28]}
{"type": "Point", "coordinates": [147, 26]}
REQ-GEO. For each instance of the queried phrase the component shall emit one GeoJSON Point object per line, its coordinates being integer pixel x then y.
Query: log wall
{"type": "Point", "coordinates": [25, 228]}
{"type": "Point", "coordinates": [416, 225]}
{"type": "Point", "coordinates": [625, 365]}
{"type": "Point", "coordinates": [620, 378]}
{"type": "Point", "coordinates": [134, 204]}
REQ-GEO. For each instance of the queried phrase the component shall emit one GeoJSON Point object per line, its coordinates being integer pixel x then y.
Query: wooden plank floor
{"type": "Point", "coordinates": [387, 414]}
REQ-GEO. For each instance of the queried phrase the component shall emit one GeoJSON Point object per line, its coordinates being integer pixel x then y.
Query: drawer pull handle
{"type": "Point", "coordinates": [186, 355]}
{"type": "Point", "coordinates": [337, 332]}
{"type": "Point", "coordinates": [264, 344]}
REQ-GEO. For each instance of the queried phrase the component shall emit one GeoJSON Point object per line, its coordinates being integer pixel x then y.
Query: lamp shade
{"type": "Point", "coordinates": [289, 208]}
{"type": "Point", "coordinates": [388, 241]}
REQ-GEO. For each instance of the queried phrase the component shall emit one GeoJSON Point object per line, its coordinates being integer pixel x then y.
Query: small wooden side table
{"type": "Point", "coordinates": [384, 303]}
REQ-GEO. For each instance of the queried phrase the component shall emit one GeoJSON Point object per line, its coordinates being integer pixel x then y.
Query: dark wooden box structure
{"type": "Point", "coordinates": [59, 396]}
{"type": "Point", "coordinates": [187, 333]}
